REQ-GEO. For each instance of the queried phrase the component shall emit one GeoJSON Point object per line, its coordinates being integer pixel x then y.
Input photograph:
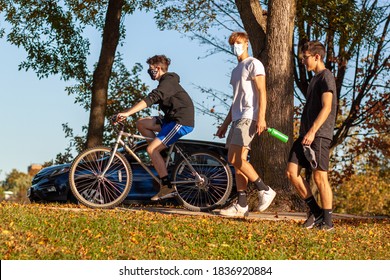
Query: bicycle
{"type": "Point", "coordinates": [101, 177]}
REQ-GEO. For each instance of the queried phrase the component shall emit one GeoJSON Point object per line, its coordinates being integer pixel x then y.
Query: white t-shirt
{"type": "Point", "coordinates": [246, 99]}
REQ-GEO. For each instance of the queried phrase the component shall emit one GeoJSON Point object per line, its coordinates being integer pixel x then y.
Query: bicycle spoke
{"type": "Point", "coordinates": [94, 184]}
{"type": "Point", "coordinates": [214, 189]}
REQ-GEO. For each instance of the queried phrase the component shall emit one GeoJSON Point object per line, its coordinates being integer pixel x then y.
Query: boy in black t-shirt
{"type": "Point", "coordinates": [312, 148]}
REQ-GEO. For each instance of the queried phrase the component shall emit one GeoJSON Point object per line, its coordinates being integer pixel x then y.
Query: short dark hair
{"type": "Point", "coordinates": [314, 47]}
{"type": "Point", "coordinates": [159, 60]}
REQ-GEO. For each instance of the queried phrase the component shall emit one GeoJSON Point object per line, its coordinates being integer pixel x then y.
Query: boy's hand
{"type": "Point", "coordinates": [221, 131]}
{"type": "Point", "coordinates": [261, 126]}
{"type": "Point", "coordinates": [308, 138]}
{"type": "Point", "coordinates": [120, 117]}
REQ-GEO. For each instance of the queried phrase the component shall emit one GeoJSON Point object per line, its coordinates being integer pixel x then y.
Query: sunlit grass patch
{"type": "Point", "coordinates": [74, 232]}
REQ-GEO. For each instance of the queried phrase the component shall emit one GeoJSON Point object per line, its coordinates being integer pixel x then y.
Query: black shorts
{"type": "Point", "coordinates": [321, 147]}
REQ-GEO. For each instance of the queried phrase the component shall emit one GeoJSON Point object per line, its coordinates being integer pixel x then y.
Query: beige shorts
{"type": "Point", "coordinates": [241, 133]}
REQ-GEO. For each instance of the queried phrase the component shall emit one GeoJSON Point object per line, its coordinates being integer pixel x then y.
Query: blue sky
{"type": "Point", "coordinates": [32, 110]}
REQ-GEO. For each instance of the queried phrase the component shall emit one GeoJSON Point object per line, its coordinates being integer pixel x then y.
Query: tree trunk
{"type": "Point", "coordinates": [255, 24]}
{"type": "Point", "coordinates": [101, 75]}
{"type": "Point", "coordinates": [269, 156]}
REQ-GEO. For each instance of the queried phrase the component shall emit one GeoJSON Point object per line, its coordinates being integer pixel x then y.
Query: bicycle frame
{"type": "Point", "coordinates": [102, 177]}
{"type": "Point", "coordinates": [119, 141]}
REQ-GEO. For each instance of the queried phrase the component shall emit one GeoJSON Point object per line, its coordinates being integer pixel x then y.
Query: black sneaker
{"type": "Point", "coordinates": [312, 221]}
{"type": "Point", "coordinates": [309, 223]}
{"type": "Point", "coordinates": [325, 227]}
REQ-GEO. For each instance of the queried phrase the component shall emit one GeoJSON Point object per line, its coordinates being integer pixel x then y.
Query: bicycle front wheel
{"type": "Point", "coordinates": [215, 186]}
{"type": "Point", "coordinates": [95, 185]}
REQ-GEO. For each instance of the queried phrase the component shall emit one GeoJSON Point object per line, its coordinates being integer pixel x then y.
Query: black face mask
{"type": "Point", "coordinates": [152, 73]}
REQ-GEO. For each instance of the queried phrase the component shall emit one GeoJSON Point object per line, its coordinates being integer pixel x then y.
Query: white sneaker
{"type": "Point", "coordinates": [266, 198]}
{"type": "Point", "coordinates": [235, 211]}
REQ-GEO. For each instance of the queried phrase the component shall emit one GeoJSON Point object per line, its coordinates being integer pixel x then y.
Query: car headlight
{"type": "Point", "coordinates": [52, 189]}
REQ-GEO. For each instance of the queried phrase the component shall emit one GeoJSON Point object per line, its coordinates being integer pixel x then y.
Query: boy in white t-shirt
{"type": "Point", "coordinates": [247, 116]}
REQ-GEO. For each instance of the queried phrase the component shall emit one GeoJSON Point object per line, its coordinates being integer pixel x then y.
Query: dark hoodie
{"type": "Point", "coordinates": [173, 100]}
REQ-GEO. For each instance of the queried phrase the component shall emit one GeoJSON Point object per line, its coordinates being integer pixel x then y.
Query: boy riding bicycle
{"type": "Point", "coordinates": [178, 119]}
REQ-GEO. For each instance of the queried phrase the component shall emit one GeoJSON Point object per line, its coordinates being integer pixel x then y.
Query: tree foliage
{"type": "Point", "coordinates": [356, 37]}
{"type": "Point", "coordinates": [366, 193]}
{"type": "Point", "coordinates": [53, 35]}
{"type": "Point", "coordinates": [17, 182]}
{"type": "Point", "coordinates": [125, 87]}
{"type": "Point", "coordinates": [53, 32]}
{"type": "Point", "coordinates": [50, 35]}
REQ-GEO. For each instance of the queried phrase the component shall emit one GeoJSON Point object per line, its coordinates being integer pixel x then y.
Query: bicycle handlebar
{"type": "Point", "coordinates": [115, 122]}
{"type": "Point", "coordinates": [113, 119]}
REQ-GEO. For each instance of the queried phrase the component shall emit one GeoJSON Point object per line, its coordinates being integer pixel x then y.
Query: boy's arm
{"type": "Point", "coordinates": [224, 126]}
{"type": "Point", "coordinates": [260, 85]}
{"type": "Point", "coordinates": [130, 111]}
{"type": "Point", "coordinates": [326, 100]}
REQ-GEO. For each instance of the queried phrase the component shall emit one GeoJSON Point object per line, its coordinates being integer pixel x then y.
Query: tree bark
{"type": "Point", "coordinates": [101, 75]}
{"type": "Point", "coordinates": [268, 155]}
{"type": "Point", "coordinates": [255, 24]}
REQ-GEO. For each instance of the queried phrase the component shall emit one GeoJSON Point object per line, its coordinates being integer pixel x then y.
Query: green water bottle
{"type": "Point", "coordinates": [277, 134]}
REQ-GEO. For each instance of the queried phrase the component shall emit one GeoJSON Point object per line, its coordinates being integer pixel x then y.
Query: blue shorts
{"type": "Point", "coordinates": [171, 132]}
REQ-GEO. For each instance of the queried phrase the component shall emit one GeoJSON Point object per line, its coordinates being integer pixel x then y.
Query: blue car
{"type": "Point", "coordinates": [51, 183]}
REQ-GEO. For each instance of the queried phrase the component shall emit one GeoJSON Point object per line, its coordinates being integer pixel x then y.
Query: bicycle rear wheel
{"type": "Point", "coordinates": [216, 185]}
{"type": "Point", "coordinates": [93, 188]}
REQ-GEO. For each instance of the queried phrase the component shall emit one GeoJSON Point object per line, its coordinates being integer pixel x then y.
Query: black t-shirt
{"type": "Point", "coordinates": [173, 100]}
{"type": "Point", "coordinates": [319, 84]}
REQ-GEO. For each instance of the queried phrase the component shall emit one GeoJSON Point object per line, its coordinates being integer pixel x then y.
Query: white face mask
{"type": "Point", "coordinates": [238, 49]}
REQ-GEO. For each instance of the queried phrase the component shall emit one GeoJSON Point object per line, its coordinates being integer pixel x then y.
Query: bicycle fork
{"type": "Point", "coordinates": [114, 150]}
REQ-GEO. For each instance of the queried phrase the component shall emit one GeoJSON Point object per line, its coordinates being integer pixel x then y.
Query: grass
{"type": "Point", "coordinates": [69, 232]}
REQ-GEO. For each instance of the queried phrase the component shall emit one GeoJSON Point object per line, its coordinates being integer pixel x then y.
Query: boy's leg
{"type": "Point", "coordinates": [238, 142]}
{"type": "Point", "coordinates": [239, 139]}
{"type": "Point", "coordinates": [154, 148]}
{"type": "Point", "coordinates": [148, 126]}
{"type": "Point", "coordinates": [169, 133]}
{"type": "Point", "coordinates": [237, 156]}
{"type": "Point", "coordinates": [303, 188]}
{"type": "Point", "coordinates": [321, 147]}
{"type": "Point", "coordinates": [239, 209]}
{"type": "Point", "coordinates": [300, 184]}
{"type": "Point", "coordinates": [295, 162]}
{"type": "Point", "coordinates": [241, 184]}
{"type": "Point", "coordinates": [326, 194]}
{"type": "Point", "coordinates": [321, 180]}
{"type": "Point", "coordinates": [241, 181]}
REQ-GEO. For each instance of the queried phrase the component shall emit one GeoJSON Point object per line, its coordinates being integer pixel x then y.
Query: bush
{"type": "Point", "coordinates": [364, 194]}
{"type": "Point", "coordinates": [17, 182]}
